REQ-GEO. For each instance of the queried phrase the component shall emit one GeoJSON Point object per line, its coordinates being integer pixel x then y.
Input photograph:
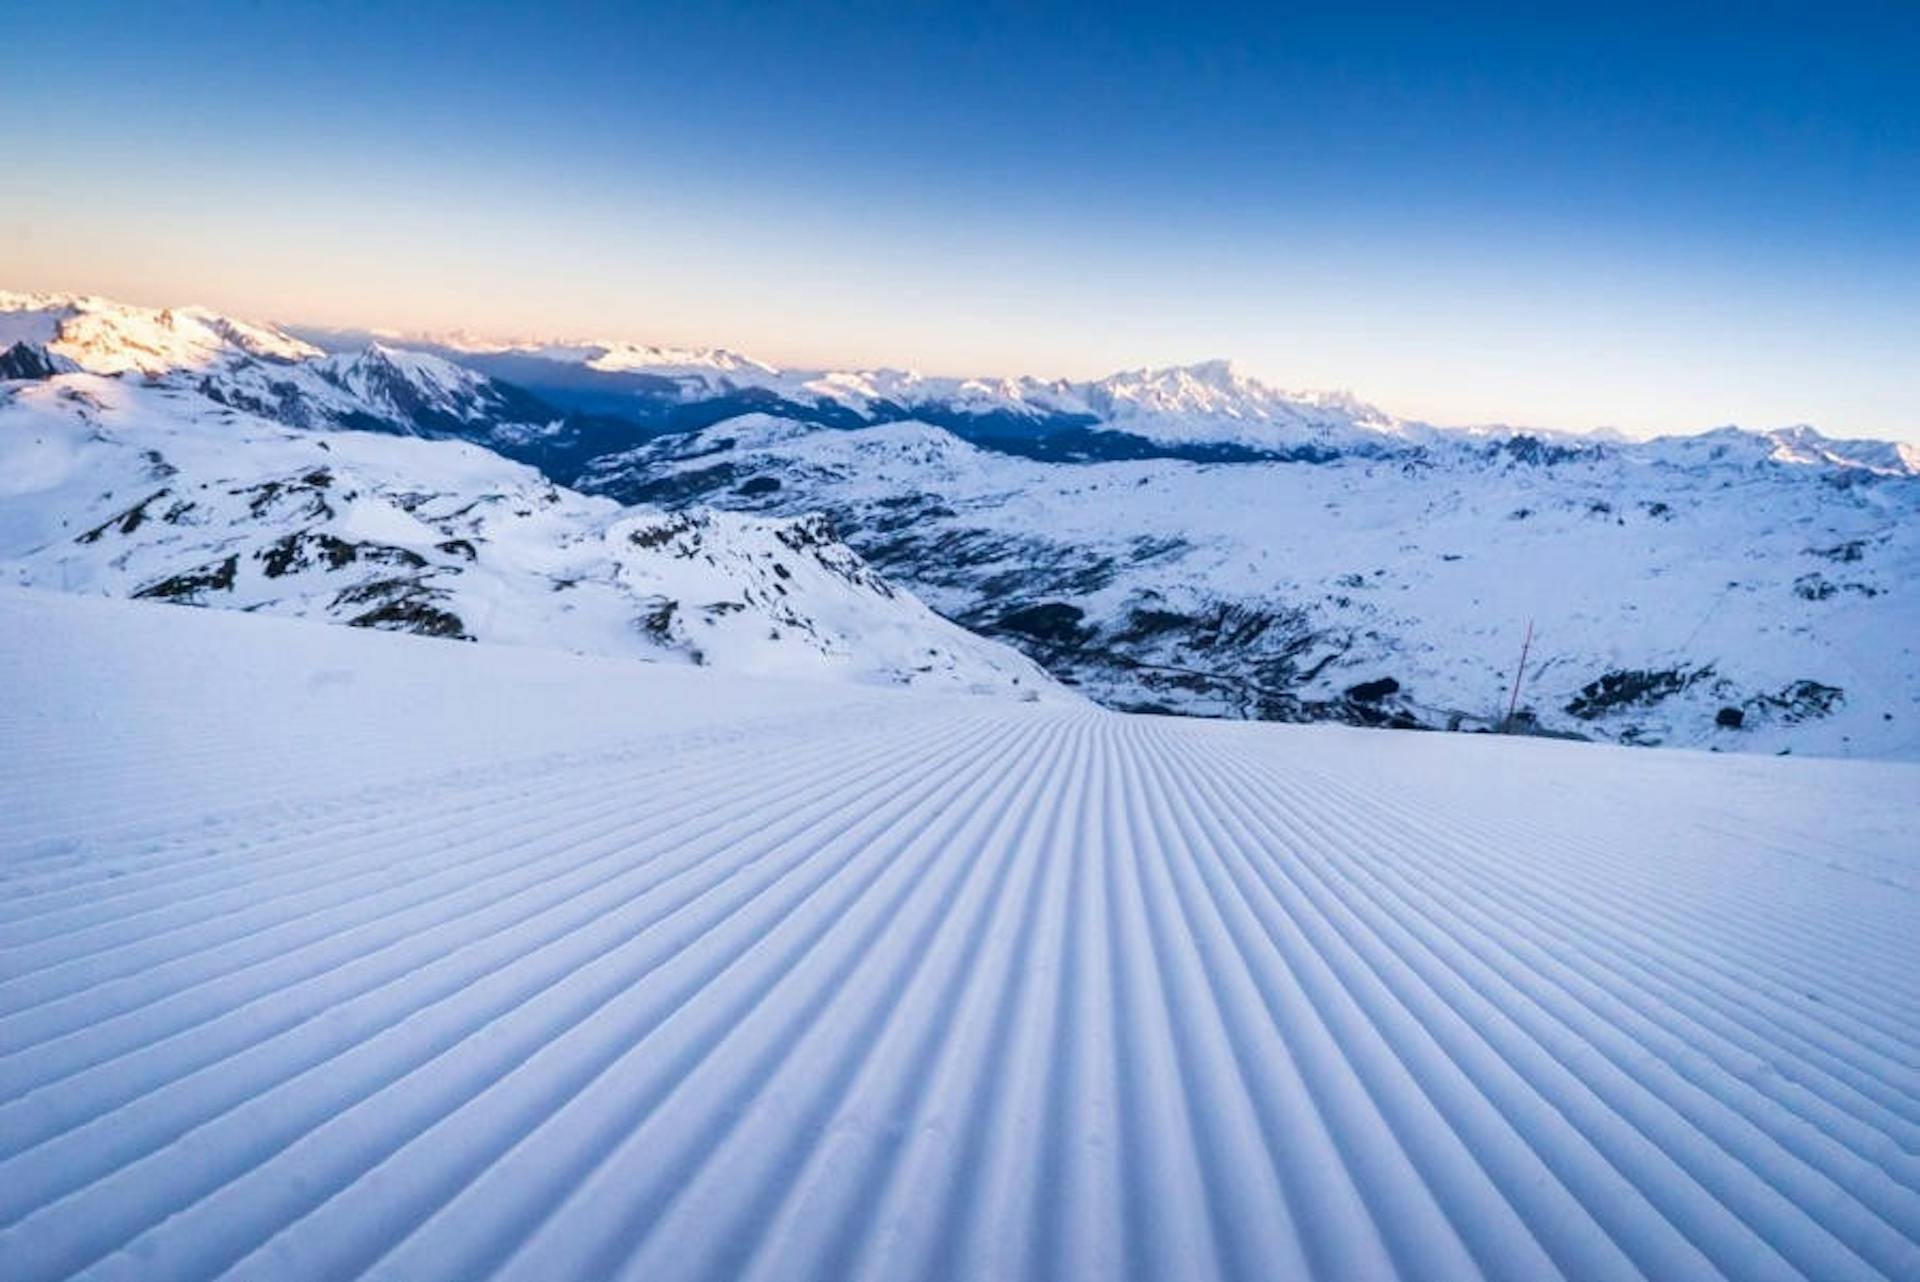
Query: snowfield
{"type": "Point", "coordinates": [327, 952]}
{"type": "Point", "coordinates": [1698, 593]}
{"type": "Point", "coordinates": [130, 489]}
{"type": "Point", "coordinates": [1182, 539]}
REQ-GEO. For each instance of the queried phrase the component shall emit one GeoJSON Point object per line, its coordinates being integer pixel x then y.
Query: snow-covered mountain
{"type": "Point", "coordinates": [1212, 401]}
{"type": "Point", "coordinates": [106, 337]}
{"type": "Point", "coordinates": [1729, 591]}
{"type": "Point", "coordinates": [266, 371]}
{"type": "Point", "coordinates": [1209, 408]}
{"type": "Point", "coordinates": [1188, 538]}
{"type": "Point", "coordinates": [117, 486]}
{"type": "Point", "coordinates": [1204, 412]}
{"type": "Point", "coordinates": [716, 365]}
{"type": "Point", "coordinates": [562, 405]}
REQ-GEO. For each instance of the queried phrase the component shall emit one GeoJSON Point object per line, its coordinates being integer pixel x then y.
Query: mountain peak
{"type": "Point", "coordinates": [105, 337]}
{"type": "Point", "coordinates": [1218, 372]}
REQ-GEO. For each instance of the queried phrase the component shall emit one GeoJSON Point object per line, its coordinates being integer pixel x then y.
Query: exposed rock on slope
{"type": "Point", "coordinates": [1668, 581]}
{"type": "Point", "coordinates": [1187, 539]}
{"type": "Point", "coordinates": [111, 486]}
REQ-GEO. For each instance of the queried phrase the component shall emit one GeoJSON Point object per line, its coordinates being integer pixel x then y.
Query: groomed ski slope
{"type": "Point", "coordinates": [332, 954]}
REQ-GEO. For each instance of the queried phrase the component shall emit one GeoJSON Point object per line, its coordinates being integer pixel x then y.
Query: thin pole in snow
{"type": "Point", "coordinates": [1514, 703]}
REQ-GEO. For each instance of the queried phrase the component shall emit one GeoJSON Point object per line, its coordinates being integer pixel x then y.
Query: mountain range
{"type": "Point", "coordinates": [214, 469]}
{"type": "Point", "coordinates": [1183, 540]}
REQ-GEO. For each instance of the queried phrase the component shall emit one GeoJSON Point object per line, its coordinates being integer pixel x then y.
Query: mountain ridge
{"type": "Point", "coordinates": [1213, 387]}
{"type": "Point", "coordinates": [1733, 603]}
{"type": "Point", "coordinates": [133, 489]}
{"type": "Point", "coordinates": [1207, 403]}
{"type": "Point", "coordinates": [1731, 589]}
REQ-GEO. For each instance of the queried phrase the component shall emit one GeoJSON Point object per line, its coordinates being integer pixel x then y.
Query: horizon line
{"type": "Point", "coordinates": [525, 339]}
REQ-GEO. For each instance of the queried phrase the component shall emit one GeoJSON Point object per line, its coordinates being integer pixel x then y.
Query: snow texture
{"type": "Point", "coordinates": [331, 953]}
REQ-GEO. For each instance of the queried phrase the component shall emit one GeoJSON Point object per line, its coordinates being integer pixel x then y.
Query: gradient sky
{"type": "Point", "coordinates": [1659, 217]}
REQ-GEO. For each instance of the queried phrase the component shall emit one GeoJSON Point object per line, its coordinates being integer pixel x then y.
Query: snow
{"type": "Point", "coordinates": [1766, 574]}
{"type": "Point", "coordinates": [1205, 402]}
{"type": "Point", "coordinates": [1208, 402]}
{"type": "Point", "coordinates": [116, 487]}
{"type": "Point", "coordinates": [264, 370]}
{"type": "Point", "coordinates": [106, 337]}
{"type": "Point", "coordinates": [330, 953]}
{"type": "Point", "coordinates": [612, 356]}
{"type": "Point", "coordinates": [26, 318]}
{"type": "Point", "coordinates": [1706, 556]}
{"type": "Point", "coordinates": [1213, 402]}
{"type": "Point", "coordinates": [372, 374]}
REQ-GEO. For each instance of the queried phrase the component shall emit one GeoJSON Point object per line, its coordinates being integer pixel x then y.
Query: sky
{"type": "Point", "coordinates": [1652, 217]}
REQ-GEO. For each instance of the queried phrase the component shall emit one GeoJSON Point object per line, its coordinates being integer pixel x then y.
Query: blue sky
{"type": "Point", "coordinates": [1657, 217]}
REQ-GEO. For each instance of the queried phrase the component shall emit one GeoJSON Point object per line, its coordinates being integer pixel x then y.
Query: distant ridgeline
{"type": "Point", "coordinates": [1188, 539]}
